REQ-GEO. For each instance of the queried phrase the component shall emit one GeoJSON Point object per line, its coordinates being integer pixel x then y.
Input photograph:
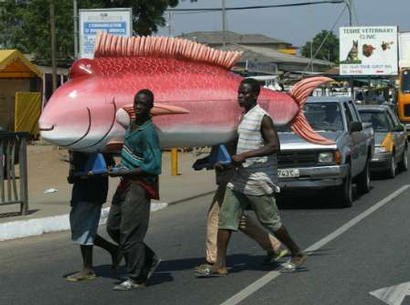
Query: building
{"type": "Point", "coordinates": [261, 54]}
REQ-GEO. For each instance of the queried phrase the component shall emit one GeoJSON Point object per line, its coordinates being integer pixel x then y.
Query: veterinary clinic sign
{"type": "Point", "coordinates": [368, 50]}
{"type": "Point", "coordinates": [115, 21]}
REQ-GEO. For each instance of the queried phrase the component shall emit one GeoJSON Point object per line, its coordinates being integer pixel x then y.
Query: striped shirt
{"type": "Point", "coordinates": [257, 175]}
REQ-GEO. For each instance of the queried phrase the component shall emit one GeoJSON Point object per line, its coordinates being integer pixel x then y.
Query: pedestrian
{"type": "Point", "coordinates": [254, 181]}
{"type": "Point", "coordinates": [89, 192]}
{"type": "Point", "coordinates": [272, 246]}
{"type": "Point", "coordinates": [128, 219]}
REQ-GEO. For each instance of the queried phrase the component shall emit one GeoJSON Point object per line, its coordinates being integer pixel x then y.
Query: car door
{"type": "Point", "coordinates": [359, 140]}
{"type": "Point", "coordinates": [399, 135]}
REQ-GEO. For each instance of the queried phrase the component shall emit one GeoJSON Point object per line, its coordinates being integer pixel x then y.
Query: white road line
{"type": "Point", "coordinates": [255, 286]}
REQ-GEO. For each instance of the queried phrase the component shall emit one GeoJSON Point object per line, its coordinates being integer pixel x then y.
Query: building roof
{"type": "Point", "coordinates": [263, 54]}
{"type": "Point", "coordinates": [13, 64]}
{"type": "Point", "coordinates": [215, 37]}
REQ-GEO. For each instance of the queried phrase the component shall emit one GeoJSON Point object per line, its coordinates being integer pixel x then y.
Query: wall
{"type": "Point", "coordinates": [8, 88]}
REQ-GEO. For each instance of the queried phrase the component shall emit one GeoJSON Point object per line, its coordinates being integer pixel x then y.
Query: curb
{"type": "Point", "coordinates": [38, 226]}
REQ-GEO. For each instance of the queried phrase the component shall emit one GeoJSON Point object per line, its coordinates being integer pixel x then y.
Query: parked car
{"type": "Point", "coordinates": [390, 139]}
{"type": "Point", "coordinates": [303, 165]}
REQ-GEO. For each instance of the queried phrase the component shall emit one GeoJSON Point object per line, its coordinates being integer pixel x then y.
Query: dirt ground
{"type": "Point", "coordinates": [49, 192]}
{"type": "Point", "coordinates": [47, 167]}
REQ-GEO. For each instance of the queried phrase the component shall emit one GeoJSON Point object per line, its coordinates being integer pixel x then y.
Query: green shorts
{"type": "Point", "coordinates": [235, 203]}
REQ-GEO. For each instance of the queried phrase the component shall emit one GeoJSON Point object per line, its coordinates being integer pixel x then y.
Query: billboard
{"type": "Point", "coordinates": [404, 49]}
{"type": "Point", "coordinates": [116, 21]}
{"type": "Point", "coordinates": [368, 50]}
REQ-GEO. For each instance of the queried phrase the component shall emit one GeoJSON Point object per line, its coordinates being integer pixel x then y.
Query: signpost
{"type": "Point", "coordinates": [368, 50]}
{"type": "Point", "coordinates": [116, 21]}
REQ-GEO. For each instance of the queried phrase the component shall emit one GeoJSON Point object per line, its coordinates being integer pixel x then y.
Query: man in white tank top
{"type": "Point", "coordinates": [254, 181]}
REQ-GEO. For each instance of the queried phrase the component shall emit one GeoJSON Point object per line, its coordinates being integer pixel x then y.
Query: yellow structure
{"type": "Point", "coordinates": [174, 162]}
{"type": "Point", "coordinates": [20, 87]}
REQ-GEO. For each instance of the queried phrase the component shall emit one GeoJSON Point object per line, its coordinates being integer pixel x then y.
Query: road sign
{"type": "Point", "coordinates": [116, 21]}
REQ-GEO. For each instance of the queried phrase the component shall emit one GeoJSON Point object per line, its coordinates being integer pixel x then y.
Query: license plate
{"type": "Point", "coordinates": [288, 172]}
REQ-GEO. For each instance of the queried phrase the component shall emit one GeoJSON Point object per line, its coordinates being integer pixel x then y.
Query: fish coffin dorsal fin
{"type": "Point", "coordinates": [108, 45]}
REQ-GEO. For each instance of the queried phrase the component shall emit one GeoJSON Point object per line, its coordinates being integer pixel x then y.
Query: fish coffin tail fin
{"type": "Point", "coordinates": [302, 128]}
{"type": "Point", "coordinates": [302, 89]}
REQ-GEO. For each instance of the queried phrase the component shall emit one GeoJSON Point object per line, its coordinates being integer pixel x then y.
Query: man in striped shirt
{"type": "Point", "coordinates": [254, 181]}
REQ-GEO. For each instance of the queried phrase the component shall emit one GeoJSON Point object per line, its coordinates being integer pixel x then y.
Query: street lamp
{"type": "Point", "coordinates": [349, 8]}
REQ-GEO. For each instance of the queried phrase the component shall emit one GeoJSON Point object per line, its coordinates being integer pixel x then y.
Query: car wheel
{"type": "Point", "coordinates": [404, 164]}
{"type": "Point", "coordinates": [363, 182]}
{"type": "Point", "coordinates": [391, 171]}
{"type": "Point", "coordinates": [344, 193]}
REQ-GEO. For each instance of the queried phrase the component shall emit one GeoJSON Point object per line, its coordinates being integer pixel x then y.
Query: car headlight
{"type": "Point", "coordinates": [380, 149]}
{"type": "Point", "coordinates": [326, 157]}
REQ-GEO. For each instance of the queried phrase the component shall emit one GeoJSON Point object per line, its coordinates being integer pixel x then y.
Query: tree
{"type": "Point", "coordinates": [328, 44]}
{"type": "Point", "coordinates": [25, 25]}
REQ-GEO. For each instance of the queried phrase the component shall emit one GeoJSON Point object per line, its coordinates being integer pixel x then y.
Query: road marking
{"type": "Point", "coordinates": [255, 286]}
{"type": "Point", "coordinates": [393, 295]}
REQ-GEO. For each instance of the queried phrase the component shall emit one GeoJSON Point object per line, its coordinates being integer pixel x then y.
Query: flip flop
{"type": "Point", "coordinates": [206, 271]}
{"type": "Point", "coordinates": [80, 276]}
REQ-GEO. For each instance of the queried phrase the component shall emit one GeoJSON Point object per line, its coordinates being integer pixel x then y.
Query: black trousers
{"type": "Point", "coordinates": [127, 225]}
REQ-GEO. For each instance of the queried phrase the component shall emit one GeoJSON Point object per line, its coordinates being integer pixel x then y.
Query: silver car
{"type": "Point", "coordinates": [390, 139]}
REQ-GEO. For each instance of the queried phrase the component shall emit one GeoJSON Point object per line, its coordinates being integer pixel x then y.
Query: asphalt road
{"type": "Point", "coordinates": [353, 252]}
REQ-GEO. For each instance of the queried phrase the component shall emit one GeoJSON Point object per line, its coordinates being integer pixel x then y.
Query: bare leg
{"type": "Point", "coordinates": [223, 241]}
{"type": "Point", "coordinates": [113, 249]}
{"type": "Point", "coordinates": [212, 227]}
{"type": "Point", "coordinates": [87, 255]}
{"type": "Point", "coordinates": [87, 273]}
{"type": "Point", "coordinates": [298, 256]}
{"type": "Point", "coordinates": [252, 229]}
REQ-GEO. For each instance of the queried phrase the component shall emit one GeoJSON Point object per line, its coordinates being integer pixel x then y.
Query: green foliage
{"type": "Point", "coordinates": [25, 25]}
{"type": "Point", "coordinates": [329, 50]}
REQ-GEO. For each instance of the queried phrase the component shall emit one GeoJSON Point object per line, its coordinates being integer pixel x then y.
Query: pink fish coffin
{"type": "Point", "coordinates": [195, 95]}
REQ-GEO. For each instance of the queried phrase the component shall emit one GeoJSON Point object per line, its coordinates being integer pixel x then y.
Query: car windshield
{"type": "Point", "coordinates": [379, 120]}
{"type": "Point", "coordinates": [322, 116]}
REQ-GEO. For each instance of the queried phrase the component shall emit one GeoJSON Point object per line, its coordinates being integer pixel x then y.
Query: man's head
{"type": "Point", "coordinates": [248, 92]}
{"type": "Point", "coordinates": [143, 102]}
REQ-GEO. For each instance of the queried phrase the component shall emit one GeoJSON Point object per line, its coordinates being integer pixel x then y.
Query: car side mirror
{"type": "Point", "coordinates": [355, 126]}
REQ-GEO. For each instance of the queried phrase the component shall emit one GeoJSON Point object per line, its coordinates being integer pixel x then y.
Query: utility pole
{"type": "Point", "coordinates": [169, 26]}
{"type": "Point", "coordinates": [75, 20]}
{"type": "Point", "coordinates": [223, 23]}
{"type": "Point", "coordinates": [53, 45]}
{"type": "Point", "coordinates": [311, 55]}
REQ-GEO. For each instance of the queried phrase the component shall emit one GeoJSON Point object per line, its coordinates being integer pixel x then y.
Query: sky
{"type": "Point", "coordinates": [295, 25]}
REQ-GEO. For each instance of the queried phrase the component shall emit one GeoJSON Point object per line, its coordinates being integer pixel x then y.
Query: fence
{"type": "Point", "coordinates": [13, 169]}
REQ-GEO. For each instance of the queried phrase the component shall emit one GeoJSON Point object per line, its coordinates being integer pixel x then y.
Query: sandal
{"type": "Point", "coordinates": [81, 276]}
{"type": "Point", "coordinates": [206, 270]}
